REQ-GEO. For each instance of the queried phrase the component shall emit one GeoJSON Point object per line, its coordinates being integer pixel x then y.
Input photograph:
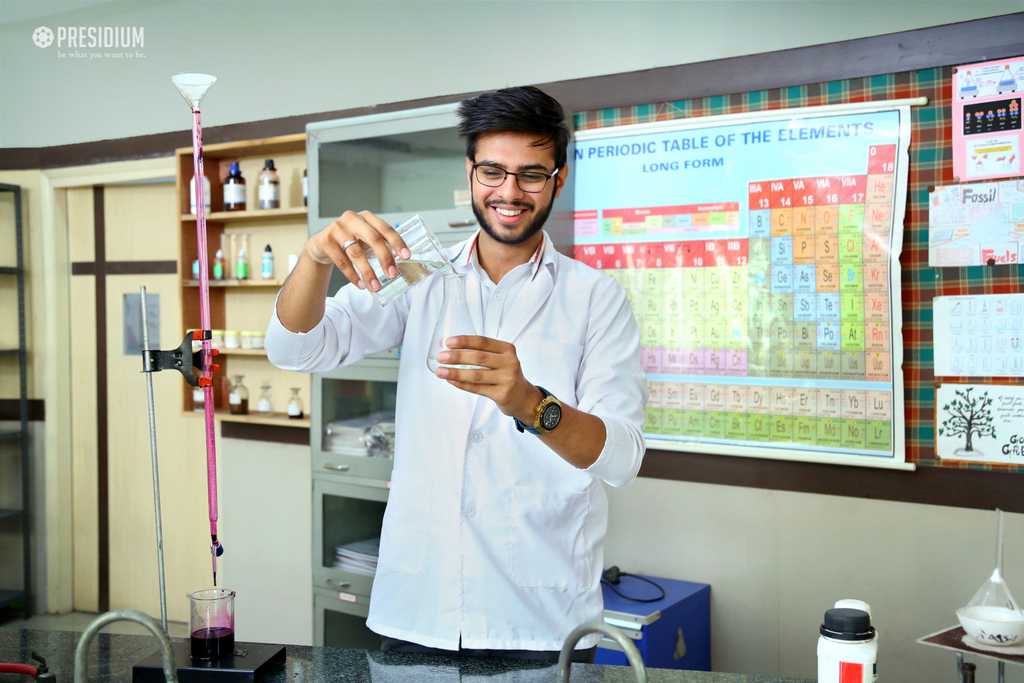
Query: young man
{"type": "Point", "coordinates": [494, 531]}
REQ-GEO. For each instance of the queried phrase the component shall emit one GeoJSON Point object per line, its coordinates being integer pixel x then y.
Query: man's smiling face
{"type": "Point", "coordinates": [507, 213]}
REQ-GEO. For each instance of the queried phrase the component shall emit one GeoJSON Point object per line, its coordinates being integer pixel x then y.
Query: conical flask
{"type": "Point", "coordinates": [453, 321]}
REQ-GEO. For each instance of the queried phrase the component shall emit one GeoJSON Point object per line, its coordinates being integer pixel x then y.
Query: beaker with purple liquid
{"type": "Point", "coordinates": [212, 623]}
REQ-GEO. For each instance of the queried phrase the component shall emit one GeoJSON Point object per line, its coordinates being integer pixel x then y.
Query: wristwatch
{"type": "Point", "coordinates": [549, 414]}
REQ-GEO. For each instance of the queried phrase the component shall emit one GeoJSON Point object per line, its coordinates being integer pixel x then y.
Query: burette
{"type": "Point", "coordinates": [193, 87]}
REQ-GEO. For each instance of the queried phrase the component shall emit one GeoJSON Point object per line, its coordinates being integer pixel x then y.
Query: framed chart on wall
{"type": "Point", "coordinates": [760, 253]}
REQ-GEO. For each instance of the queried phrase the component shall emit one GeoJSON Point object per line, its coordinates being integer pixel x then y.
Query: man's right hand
{"type": "Point", "coordinates": [345, 241]}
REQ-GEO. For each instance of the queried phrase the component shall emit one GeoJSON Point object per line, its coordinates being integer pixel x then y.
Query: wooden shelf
{"type": "Point", "coordinates": [251, 215]}
{"type": "Point", "coordinates": [236, 283]}
{"type": "Point", "coordinates": [278, 419]}
{"type": "Point", "coordinates": [296, 142]}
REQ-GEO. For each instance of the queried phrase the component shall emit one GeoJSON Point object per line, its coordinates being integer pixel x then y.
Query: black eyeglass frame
{"type": "Point", "coordinates": [547, 177]}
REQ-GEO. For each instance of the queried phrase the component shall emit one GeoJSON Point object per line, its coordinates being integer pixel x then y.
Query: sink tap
{"type": "Point", "coordinates": [82, 651]}
{"type": "Point", "coordinates": [565, 657]}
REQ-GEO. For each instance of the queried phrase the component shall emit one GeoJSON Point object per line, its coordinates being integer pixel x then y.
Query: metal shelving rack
{"type": "Point", "coordinates": [23, 514]}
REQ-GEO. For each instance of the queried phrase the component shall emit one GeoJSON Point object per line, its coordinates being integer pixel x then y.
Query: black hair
{"type": "Point", "coordinates": [523, 109]}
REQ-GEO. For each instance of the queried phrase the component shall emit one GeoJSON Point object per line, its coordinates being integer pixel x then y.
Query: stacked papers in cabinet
{"type": "Point", "coordinates": [359, 557]}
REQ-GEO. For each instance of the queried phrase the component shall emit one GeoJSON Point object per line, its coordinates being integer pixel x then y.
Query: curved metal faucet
{"type": "Point", "coordinates": [82, 651]}
{"type": "Point", "coordinates": [632, 654]}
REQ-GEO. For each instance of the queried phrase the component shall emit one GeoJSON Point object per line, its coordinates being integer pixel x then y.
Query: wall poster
{"type": "Point", "coordinates": [980, 423]}
{"type": "Point", "coordinates": [986, 106]}
{"type": "Point", "coordinates": [760, 253]}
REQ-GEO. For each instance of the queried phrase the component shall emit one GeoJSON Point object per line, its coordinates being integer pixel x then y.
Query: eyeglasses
{"type": "Point", "coordinates": [528, 181]}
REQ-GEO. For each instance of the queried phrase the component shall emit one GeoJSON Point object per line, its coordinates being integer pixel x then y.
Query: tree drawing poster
{"type": "Point", "coordinates": [980, 423]}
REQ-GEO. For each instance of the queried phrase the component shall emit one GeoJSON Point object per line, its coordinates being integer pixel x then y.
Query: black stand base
{"type": "Point", "coordinates": [249, 661]}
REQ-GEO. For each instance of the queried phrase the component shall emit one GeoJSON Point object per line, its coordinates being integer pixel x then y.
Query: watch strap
{"type": "Point", "coordinates": [529, 428]}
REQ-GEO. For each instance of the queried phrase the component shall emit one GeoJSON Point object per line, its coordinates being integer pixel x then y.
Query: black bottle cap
{"type": "Point", "coordinates": [843, 623]}
{"type": "Point", "coordinates": [268, 248]}
{"type": "Point", "coordinates": [268, 165]}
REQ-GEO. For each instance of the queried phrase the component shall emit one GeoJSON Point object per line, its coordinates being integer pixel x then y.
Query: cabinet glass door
{"type": "Point", "coordinates": [346, 535]}
{"type": "Point", "coordinates": [354, 423]}
{"type": "Point", "coordinates": [341, 624]}
{"type": "Point", "coordinates": [401, 172]}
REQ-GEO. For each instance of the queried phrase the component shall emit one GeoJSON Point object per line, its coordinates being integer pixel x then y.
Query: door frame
{"type": "Point", "coordinates": [56, 365]}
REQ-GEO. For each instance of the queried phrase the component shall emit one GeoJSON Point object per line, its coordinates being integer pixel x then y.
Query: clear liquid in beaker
{"type": "Point", "coordinates": [409, 273]}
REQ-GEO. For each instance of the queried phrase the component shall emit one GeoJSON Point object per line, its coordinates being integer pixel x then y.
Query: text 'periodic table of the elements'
{"type": "Point", "coordinates": [765, 318]}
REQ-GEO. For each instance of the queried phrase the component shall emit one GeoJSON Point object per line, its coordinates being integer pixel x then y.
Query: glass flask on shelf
{"type": "Point", "coordinates": [992, 616]}
{"type": "Point", "coordinates": [198, 399]}
{"type": "Point", "coordinates": [295, 405]}
{"type": "Point", "coordinates": [454, 320]}
{"type": "Point", "coordinates": [265, 406]}
{"type": "Point", "coordinates": [238, 397]}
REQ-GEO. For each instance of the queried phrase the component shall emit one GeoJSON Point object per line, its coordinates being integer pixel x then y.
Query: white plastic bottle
{"type": "Point", "coordinates": [847, 647]}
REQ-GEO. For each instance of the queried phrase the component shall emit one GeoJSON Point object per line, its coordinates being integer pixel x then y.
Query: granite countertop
{"type": "Point", "coordinates": [111, 658]}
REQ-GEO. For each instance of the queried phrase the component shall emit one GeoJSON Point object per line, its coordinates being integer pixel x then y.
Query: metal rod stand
{"type": "Point", "coordinates": [156, 469]}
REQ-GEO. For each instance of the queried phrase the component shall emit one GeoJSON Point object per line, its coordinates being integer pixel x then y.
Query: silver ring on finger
{"type": "Point", "coordinates": [347, 244]}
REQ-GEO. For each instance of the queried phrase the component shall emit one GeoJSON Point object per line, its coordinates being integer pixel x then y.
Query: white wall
{"type": "Point", "coordinates": [266, 521]}
{"type": "Point", "coordinates": [287, 58]}
{"type": "Point", "coordinates": [777, 560]}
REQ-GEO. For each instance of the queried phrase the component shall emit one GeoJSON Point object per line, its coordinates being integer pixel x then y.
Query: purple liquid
{"type": "Point", "coordinates": [213, 643]}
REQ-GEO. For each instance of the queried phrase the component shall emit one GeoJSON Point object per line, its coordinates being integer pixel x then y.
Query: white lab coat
{"type": "Point", "coordinates": [490, 538]}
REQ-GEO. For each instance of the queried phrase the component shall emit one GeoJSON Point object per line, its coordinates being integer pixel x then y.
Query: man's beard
{"type": "Point", "coordinates": [531, 229]}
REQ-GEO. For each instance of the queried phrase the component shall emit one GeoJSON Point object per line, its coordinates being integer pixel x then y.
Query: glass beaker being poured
{"type": "Point", "coordinates": [453, 321]}
{"type": "Point", "coordinates": [426, 258]}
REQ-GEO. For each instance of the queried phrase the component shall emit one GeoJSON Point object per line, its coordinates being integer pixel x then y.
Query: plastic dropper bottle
{"type": "Point", "coordinates": [270, 187]}
{"type": "Point", "coordinates": [218, 265]}
{"type": "Point", "coordinates": [234, 189]}
{"type": "Point", "coordinates": [267, 264]}
{"type": "Point", "coordinates": [242, 264]}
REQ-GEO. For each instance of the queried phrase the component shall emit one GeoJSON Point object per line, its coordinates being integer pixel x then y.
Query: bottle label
{"type": "Point", "coordinates": [218, 270]}
{"type": "Point", "coordinates": [234, 193]}
{"type": "Point", "coordinates": [266, 406]}
{"type": "Point", "coordinates": [268, 267]}
{"type": "Point", "coordinates": [270, 191]}
{"type": "Point", "coordinates": [241, 271]}
{"type": "Point", "coordinates": [235, 398]}
{"type": "Point", "coordinates": [294, 410]}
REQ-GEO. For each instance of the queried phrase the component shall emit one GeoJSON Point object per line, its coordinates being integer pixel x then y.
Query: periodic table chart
{"type": "Point", "coordinates": [760, 257]}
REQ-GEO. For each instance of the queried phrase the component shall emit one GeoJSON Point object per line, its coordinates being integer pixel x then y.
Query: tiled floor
{"type": "Point", "coordinates": [78, 621]}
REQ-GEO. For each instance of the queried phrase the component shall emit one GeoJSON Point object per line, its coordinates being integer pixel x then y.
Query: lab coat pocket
{"type": "Point", "coordinates": [402, 542]}
{"type": "Point", "coordinates": [552, 365]}
{"type": "Point", "coordinates": [549, 548]}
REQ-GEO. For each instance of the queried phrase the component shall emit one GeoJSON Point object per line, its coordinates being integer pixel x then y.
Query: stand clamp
{"type": "Point", "coordinates": [182, 358]}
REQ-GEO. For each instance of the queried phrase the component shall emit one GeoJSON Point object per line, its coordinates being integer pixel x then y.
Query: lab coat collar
{"type": "Point", "coordinates": [531, 297]}
{"type": "Point", "coordinates": [468, 257]}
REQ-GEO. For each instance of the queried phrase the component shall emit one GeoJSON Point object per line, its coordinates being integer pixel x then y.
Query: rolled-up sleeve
{"type": "Point", "coordinates": [613, 385]}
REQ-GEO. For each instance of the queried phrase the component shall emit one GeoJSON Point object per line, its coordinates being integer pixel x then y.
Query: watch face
{"type": "Point", "coordinates": [550, 417]}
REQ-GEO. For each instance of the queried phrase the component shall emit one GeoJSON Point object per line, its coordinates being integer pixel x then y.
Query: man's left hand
{"type": "Point", "coordinates": [497, 374]}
